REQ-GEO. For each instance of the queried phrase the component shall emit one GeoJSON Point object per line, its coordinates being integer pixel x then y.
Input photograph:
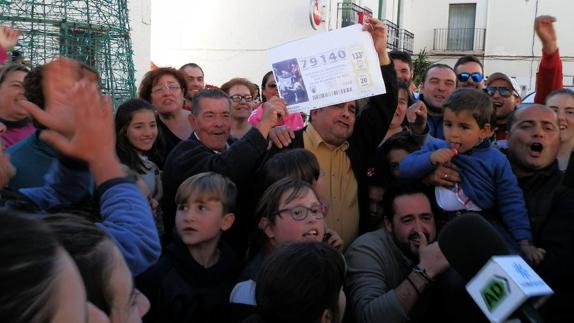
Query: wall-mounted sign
{"type": "Point", "coordinates": [315, 13]}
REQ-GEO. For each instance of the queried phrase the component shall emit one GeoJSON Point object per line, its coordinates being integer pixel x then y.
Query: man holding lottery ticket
{"type": "Point", "coordinates": [344, 140]}
{"type": "Point", "coordinates": [488, 185]}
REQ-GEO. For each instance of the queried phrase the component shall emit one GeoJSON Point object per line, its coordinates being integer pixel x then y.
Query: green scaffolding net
{"type": "Point", "coordinates": [95, 32]}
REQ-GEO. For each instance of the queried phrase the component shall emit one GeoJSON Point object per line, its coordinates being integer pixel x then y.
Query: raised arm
{"type": "Point", "coordinates": [373, 121]}
{"type": "Point", "coordinates": [87, 134]}
{"type": "Point", "coordinates": [67, 182]}
{"type": "Point", "coordinates": [420, 163]}
{"type": "Point", "coordinates": [549, 76]}
{"type": "Point", "coordinates": [8, 39]}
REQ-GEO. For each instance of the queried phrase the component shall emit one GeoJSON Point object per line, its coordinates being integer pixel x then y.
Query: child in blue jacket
{"type": "Point", "coordinates": [488, 184]}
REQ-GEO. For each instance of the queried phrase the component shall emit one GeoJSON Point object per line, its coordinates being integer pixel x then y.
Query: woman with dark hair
{"type": "Point", "coordinates": [138, 142]}
{"type": "Point", "coordinates": [17, 120]}
{"type": "Point", "coordinates": [38, 279]}
{"type": "Point", "coordinates": [108, 281]}
{"type": "Point", "coordinates": [268, 90]}
{"type": "Point", "coordinates": [268, 86]}
{"type": "Point", "coordinates": [301, 282]}
{"type": "Point", "coordinates": [165, 89]}
{"type": "Point", "coordinates": [288, 211]}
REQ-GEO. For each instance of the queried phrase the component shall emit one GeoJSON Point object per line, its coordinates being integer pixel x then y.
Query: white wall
{"type": "Point", "coordinates": [140, 23]}
{"type": "Point", "coordinates": [228, 38]}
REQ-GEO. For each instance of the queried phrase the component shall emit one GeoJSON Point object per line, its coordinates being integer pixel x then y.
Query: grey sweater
{"type": "Point", "coordinates": [375, 267]}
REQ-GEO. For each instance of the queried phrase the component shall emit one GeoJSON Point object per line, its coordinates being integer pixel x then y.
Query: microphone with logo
{"type": "Point", "coordinates": [501, 284]}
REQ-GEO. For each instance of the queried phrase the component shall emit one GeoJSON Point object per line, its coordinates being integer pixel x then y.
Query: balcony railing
{"type": "Point", "coordinates": [398, 38]}
{"type": "Point", "coordinates": [348, 13]}
{"type": "Point", "coordinates": [459, 39]}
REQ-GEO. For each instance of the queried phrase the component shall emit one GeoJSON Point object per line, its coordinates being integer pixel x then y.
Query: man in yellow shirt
{"type": "Point", "coordinates": [343, 141]}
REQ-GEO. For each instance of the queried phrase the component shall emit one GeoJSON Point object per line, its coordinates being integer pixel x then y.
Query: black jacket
{"type": "Point", "coordinates": [239, 162]}
{"type": "Point", "coordinates": [180, 290]}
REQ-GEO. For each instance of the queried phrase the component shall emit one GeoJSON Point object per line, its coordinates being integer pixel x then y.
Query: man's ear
{"type": "Point", "coordinates": [326, 317]}
{"type": "Point", "coordinates": [388, 224]}
{"type": "Point", "coordinates": [192, 120]}
{"type": "Point", "coordinates": [228, 220]}
{"type": "Point", "coordinates": [486, 131]}
{"type": "Point", "coordinates": [517, 100]}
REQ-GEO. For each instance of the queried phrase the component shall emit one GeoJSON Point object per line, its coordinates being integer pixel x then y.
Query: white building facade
{"type": "Point", "coordinates": [140, 24]}
{"type": "Point", "coordinates": [229, 38]}
{"type": "Point", "coordinates": [500, 33]}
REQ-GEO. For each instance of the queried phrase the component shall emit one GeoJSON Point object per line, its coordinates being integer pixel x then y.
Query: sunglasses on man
{"type": "Point", "coordinates": [476, 77]}
{"type": "Point", "coordinates": [503, 91]}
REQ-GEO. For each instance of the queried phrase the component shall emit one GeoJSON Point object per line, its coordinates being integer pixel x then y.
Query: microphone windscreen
{"type": "Point", "coordinates": [468, 242]}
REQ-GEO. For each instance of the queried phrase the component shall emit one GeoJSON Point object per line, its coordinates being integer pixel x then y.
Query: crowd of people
{"type": "Point", "coordinates": [196, 203]}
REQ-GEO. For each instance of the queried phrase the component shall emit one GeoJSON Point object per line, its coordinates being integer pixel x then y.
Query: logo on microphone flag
{"type": "Point", "coordinates": [495, 292]}
{"type": "Point", "coordinates": [503, 284]}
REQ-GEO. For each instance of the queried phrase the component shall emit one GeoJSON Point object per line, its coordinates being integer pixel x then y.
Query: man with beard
{"type": "Point", "coordinates": [438, 83]}
{"type": "Point", "coordinates": [383, 283]}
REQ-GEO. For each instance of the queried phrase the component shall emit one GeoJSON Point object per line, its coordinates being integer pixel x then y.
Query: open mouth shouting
{"type": "Point", "coordinates": [535, 149]}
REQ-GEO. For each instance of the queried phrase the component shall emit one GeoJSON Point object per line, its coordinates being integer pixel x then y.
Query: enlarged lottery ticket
{"type": "Point", "coordinates": [327, 69]}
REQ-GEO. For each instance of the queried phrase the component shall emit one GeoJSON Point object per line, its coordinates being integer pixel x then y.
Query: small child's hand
{"type": "Point", "coordinates": [534, 255]}
{"type": "Point", "coordinates": [334, 239]}
{"type": "Point", "coordinates": [442, 156]}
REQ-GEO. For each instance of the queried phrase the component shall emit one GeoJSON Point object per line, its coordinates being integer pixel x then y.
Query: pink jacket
{"type": "Point", "coordinates": [293, 121]}
{"type": "Point", "coordinates": [3, 55]}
